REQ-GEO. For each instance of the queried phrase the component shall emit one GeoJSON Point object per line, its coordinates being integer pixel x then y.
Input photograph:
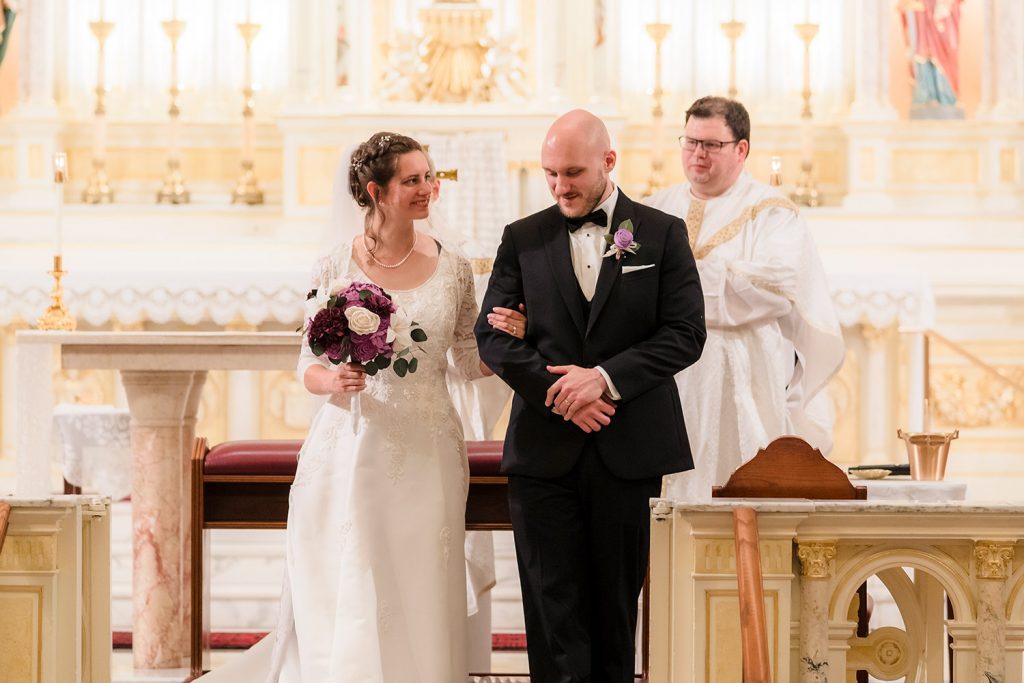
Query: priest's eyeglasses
{"type": "Point", "coordinates": [710, 146]}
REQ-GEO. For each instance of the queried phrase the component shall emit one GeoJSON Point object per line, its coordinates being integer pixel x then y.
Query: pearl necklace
{"type": "Point", "coordinates": [373, 258]}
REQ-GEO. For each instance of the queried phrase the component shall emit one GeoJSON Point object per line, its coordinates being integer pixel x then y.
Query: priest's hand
{"type": "Point", "coordinates": [575, 389]}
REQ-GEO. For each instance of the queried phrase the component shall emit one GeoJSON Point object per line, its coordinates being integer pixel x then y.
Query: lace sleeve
{"type": "Point", "coordinates": [465, 355]}
{"type": "Point", "coordinates": [320, 281]}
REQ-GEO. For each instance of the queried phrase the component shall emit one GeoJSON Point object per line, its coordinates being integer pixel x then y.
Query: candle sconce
{"type": "Point", "coordinates": [57, 316]}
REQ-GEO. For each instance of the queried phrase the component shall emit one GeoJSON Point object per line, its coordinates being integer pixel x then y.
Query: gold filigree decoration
{"type": "Point", "coordinates": [816, 559]}
{"type": "Point", "coordinates": [733, 228]}
{"type": "Point", "coordinates": [969, 397]}
{"type": "Point", "coordinates": [694, 221]}
{"type": "Point", "coordinates": [993, 559]}
{"type": "Point", "coordinates": [455, 59]}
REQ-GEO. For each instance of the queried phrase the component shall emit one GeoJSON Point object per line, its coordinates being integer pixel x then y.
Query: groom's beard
{"type": "Point", "coordinates": [591, 198]}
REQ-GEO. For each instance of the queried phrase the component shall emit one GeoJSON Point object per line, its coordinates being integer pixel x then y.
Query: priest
{"type": "Point", "coordinates": [773, 337]}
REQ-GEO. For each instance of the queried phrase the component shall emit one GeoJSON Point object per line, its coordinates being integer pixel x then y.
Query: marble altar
{"type": "Point", "coordinates": [55, 591]}
{"type": "Point", "coordinates": [815, 555]}
{"type": "Point", "coordinates": [163, 375]}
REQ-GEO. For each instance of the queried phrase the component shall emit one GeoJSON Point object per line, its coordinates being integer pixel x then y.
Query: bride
{"type": "Point", "coordinates": [375, 580]}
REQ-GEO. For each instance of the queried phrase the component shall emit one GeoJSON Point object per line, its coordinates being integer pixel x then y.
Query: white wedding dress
{"type": "Point", "coordinates": [375, 577]}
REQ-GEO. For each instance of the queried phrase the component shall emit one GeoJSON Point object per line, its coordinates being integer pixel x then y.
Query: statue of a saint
{"type": "Point", "coordinates": [932, 30]}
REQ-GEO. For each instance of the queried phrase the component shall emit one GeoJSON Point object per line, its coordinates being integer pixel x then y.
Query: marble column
{"type": "Point", "coordinates": [871, 66]}
{"type": "Point", "coordinates": [160, 404]}
{"type": "Point", "coordinates": [1008, 60]}
{"type": "Point", "coordinates": [993, 561]}
{"type": "Point", "coordinates": [815, 583]}
{"type": "Point", "coordinates": [34, 400]}
{"type": "Point", "coordinates": [876, 407]}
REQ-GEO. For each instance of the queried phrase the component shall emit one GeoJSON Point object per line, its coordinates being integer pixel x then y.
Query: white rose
{"type": "Point", "coordinates": [400, 331]}
{"type": "Point", "coordinates": [362, 321]}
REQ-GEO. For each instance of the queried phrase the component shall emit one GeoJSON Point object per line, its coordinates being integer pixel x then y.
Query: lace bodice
{"type": "Point", "coordinates": [444, 307]}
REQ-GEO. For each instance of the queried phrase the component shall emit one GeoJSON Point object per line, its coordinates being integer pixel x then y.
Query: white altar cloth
{"type": "Point", "coordinates": [96, 448]}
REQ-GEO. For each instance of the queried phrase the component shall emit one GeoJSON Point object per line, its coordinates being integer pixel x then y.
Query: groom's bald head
{"type": "Point", "coordinates": [577, 157]}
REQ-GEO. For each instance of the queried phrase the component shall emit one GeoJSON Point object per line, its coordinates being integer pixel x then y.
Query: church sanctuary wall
{"type": "Point", "coordinates": [920, 223]}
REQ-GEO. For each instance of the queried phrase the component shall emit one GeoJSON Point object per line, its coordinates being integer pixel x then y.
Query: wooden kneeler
{"type": "Point", "coordinates": [245, 485]}
{"type": "Point", "coordinates": [788, 467]}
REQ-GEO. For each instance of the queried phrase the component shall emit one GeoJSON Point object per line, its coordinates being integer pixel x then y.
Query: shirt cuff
{"type": "Point", "coordinates": [612, 391]}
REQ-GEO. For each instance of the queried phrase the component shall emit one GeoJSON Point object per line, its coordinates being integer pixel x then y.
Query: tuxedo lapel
{"type": "Point", "coordinates": [556, 244]}
{"type": "Point", "coordinates": [611, 267]}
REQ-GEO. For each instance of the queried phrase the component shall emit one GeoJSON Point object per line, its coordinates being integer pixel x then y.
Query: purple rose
{"type": "Point", "coordinates": [623, 238]}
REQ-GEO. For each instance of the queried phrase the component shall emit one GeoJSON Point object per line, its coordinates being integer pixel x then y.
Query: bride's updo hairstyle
{"type": "Point", "coordinates": [376, 160]}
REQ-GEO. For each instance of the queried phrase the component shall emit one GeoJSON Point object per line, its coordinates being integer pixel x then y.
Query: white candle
{"type": "Point", "coordinates": [248, 11]}
{"type": "Point", "coordinates": [102, 12]}
{"type": "Point", "coordinates": [733, 5]}
{"type": "Point", "coordinates": [174, 10]}
{"type": "Point", "coordinates": [60, 174]}
{"type": "Point", "coordinates": [807, 11]}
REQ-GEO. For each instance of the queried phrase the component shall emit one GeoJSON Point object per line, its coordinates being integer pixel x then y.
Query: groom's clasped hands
{"type": "Point", "coordinates": [580, 396]}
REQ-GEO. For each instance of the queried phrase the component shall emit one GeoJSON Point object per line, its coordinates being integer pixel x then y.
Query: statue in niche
{"type": "Point", "coordinates": [932, 32]}
{"type": "Point", "coordinates": [7, 10]}
{"type": "Point", "coordinates": [341, 55]}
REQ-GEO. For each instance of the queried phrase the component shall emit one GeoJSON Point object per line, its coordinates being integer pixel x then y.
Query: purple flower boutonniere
{"type": "Point", "coordinates": [621, 242]}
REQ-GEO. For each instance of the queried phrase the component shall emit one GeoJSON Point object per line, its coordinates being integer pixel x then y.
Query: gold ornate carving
{"type": "Point", "coordinates": [993, 559]}
{"type": "Point", "coordinates": [969, 397]}
{"type": "Point", "coordinates": [29, 554]}
{"type": "Point", "coordinates": [816, 558]}
{"type": "Point", "coordinates": [455, 59]}
{"type": "Point", "coordinates": [718, 556]}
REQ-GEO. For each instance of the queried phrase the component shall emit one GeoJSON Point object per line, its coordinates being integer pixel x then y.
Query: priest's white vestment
{"type": "Point", "coordinates": [774, 340]}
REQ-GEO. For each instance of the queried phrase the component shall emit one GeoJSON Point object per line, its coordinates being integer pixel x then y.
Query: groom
{"type": "Point", "coordinates": [596, 419]}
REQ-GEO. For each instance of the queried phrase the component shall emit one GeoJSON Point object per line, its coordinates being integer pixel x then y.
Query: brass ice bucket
{"type": "Point", "coordinates": [927, 453]}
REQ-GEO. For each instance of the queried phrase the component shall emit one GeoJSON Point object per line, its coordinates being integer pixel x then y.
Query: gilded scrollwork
{"type": "Point", "coordinates": [816, 558]}
{"type": "Point", "coordinates": [455, 59]}
{"type": "Point", "coordinates": [993, 559]}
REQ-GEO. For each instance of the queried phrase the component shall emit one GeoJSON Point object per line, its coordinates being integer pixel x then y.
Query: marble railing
{"type": "Point", "coordinates": [55, 591]}
{"type": "Point", "coordinates": [814, 556]}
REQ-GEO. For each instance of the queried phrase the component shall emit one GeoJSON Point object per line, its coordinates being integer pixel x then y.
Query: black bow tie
{"type": "Point", "coordinates": [600, 217]}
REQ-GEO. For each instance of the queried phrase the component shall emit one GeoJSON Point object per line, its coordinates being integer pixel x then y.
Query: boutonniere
{"type": "Point", "coordinates": [621, 243]}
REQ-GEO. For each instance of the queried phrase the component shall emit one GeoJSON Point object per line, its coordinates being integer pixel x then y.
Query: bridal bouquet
{"type": "Point", "coordinates": [357, 322]}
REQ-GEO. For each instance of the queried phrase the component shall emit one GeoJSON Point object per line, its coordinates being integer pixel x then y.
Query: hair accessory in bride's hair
{"type": "Point", "coordinates": [384, 141]}
{"type": "Point", "coordinates": [357, 161]}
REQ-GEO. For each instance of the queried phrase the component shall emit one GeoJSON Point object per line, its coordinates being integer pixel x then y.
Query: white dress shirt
{"type": "Point", "coordinates": [588, 246]}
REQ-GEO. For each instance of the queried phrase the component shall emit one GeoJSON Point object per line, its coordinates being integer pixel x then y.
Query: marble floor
{"type": "Point", "coordinates": [502, 663]}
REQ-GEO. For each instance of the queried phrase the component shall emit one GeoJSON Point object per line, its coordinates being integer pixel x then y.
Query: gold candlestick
{"type": "Point", "coordinates": [775, 179]}
{"type": "Point", "coordinates": [98, 189]}
{"type": "Point", "coordinates": [657, 31]}
{"type": "Point", "coordinates": [173, 190]}
{"type": "Point", "coordinates": [248, 190]}
{"type": "Point", "coordinates": [806, 192]}
{"type": "Point", "coordinates": [56, 316]}
{"type": "Point", "coordinates": [732, 30]}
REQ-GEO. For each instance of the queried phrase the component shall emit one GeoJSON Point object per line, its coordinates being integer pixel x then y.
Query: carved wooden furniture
{"type": "Point", "coordinates": [788, 467]}
{"type": "Point", "coordinates": [5, 514]}
{"type": "Point", "coordinates": [245, 485]}
{"type": "Point", "coordinates": [815, 555]}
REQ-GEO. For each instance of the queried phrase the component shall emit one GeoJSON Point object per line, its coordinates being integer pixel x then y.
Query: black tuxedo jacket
{"type": "Point", "coordinates": [644, 327]}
